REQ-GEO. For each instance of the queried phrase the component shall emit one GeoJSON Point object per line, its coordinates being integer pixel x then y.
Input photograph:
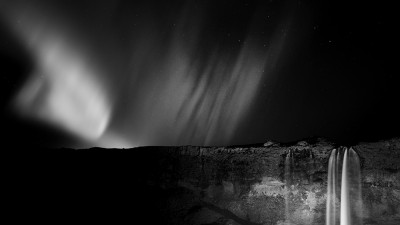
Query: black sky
{"type": "Point", "coordinates": [339, 80]}
{"type": "Point", "coordinates": [334, 76]}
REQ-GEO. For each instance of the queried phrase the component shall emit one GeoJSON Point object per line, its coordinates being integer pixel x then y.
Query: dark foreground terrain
{"type": "Point", "coordinates": [195, 185]}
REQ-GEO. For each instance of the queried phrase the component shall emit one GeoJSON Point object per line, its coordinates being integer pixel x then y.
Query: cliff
{"type": "Point", "coordinates": [226, 185]}
{"type": "Point", "coordinates": [246, 185]}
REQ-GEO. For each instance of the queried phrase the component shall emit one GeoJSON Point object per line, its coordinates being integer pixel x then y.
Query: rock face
{"type": "Point", "coordinates": [248, 185]}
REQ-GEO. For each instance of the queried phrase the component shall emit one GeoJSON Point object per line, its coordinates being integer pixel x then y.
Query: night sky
{"type": "Point", "coordinates": [133, 73]}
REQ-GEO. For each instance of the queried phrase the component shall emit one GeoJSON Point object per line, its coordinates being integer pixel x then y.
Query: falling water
{"type": "Point", "coordinates": [350, 194]}
{"type": "Point", "coordinates": [288, 179]}
{"type": "Point", "coordinates": [331, 201]}
{"type": "Point", "coordinates": [344, 196]}
{"type": "Point", "coordinates": [353, 189]}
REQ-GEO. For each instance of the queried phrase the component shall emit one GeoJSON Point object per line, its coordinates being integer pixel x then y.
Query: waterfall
{"type": "Point", "coordinates": [344, 195]}
{"type": "Point", "coordinates": [331, 201]}
{"type": "Point", "coordinates": [288, 180]}
{"type": "Point", "coordinates": [350, 193]}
